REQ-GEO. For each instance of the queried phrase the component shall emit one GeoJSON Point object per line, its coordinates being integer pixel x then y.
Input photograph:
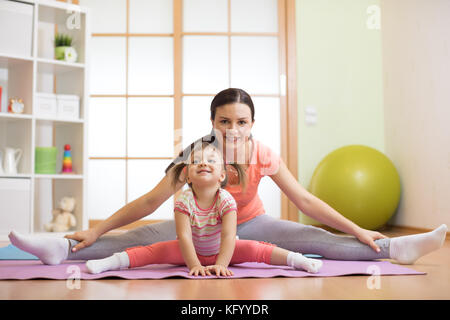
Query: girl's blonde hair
{"type": "Point", "coordinates": [177, 169]}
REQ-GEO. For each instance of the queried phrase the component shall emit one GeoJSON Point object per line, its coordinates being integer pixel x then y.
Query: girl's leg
{"type": "Point", "coordinates": [305, 239]}
{"type": "Point", "coordinates": [51, 250]}
{"type": "Point", "coordinates": [158, 253]}
{"type": "Point", "coordinates": [107, 245]}
{"type": "Point", "coordinates": [295, 260]}
{"type": "Point", "coordinates": [252, 251]}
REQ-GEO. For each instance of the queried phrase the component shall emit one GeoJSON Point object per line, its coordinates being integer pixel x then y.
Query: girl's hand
{"type": "Point", "coordinates": [196, 270]}
{"type": "Point", "coordinates": [368, 237]}
{"type": "Point", "coordinates": [86, 238]}
{"type": "Point", "coordinates": [220, 270]}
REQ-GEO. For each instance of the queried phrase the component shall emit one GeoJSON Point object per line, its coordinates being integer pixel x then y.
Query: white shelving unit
{"type": "Point", "coordinates": [41, 73]}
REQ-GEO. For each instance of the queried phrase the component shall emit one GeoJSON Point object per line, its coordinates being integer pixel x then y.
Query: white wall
{"type": "Point", "coordinates": [339, 73]}
{"type": "Point", "coordinates": [416, 67]}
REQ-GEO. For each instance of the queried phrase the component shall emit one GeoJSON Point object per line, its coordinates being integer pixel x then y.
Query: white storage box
{"type": "Point", "coordinates": [16, 28]}
{"type": "Point", "coordinates": [46, 105]}
{"type": "Point", "coordinates": [68, 106]}
{"type": "Point", "coordinates": [15, 205]}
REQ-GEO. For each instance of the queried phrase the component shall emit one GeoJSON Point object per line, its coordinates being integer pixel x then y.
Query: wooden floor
{"type": "Point", "coordinates": [434, 285]}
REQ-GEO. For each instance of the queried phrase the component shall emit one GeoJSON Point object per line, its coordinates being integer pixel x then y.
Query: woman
{"type": "Point", "coordinates": [232, 118]}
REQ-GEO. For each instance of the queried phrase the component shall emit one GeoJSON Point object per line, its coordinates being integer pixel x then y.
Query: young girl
{"type": "Point", "coordinates": [205, 218]}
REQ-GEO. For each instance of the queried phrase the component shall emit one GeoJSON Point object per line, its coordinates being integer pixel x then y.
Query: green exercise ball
{"type": "Point", "coordinates": [360, 183]}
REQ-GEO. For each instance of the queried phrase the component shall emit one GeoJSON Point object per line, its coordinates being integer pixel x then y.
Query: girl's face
{"type": "Point", "coordinates": [234, 121]}
{"type": "Point", "coordinates": [206, 167]}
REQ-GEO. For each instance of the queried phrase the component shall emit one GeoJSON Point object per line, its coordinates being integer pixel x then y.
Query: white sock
{"type": "Point", "coordinates": [117, 261]}
{"type": "Point", "coordinates": [299, 261]}
{"type": "Point", "coordinates": [407, 249]}
{"type": "Point", "coordinates": [49, 250]}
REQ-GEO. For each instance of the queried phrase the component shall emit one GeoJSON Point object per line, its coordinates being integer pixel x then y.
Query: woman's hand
{"type": "Point", "coordinates": [220, 270]}
{"type": "Point", "coordinates": [368, 237]}
{"type": "Point", "coordinates": [199, 269]}
{"type": "Point", "coordinates": [85, 237]}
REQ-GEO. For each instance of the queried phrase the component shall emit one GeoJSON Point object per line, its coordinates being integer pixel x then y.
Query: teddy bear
{"type": "Point", "coordinates": [63, 218]}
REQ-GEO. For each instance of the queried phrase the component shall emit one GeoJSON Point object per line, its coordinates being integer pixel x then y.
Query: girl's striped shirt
{"type": "Point", "coordinates": [206, 224]}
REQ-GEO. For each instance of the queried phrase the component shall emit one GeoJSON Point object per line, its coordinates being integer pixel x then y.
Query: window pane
{"type": "Point", "coordinates": [270, 195]}
{"type": "Point", "coordinates": [254, 64]}
{"type": "Point", "coordinates": [266, 129]}
{"type": "Point", "coordinates": [254, 16]}
{"type": "Point", "coordinates": [196, 118]}
{"type": "Point", "coordinates": [150, 64]}
{"type": "Point", "coordinates": [151, 16]}
{"type": "Point", "coordinates": [107, 127]}
{"type": "Point", "coordinates": [106, 187]}
{"type": "Point", "coordinates": [205, 15]}
{"type": "Point", "coordinates": [205, 64]}
{"type": "Point", "coordinates": [108, 65]}
{"type": "Point", "coordinates": [144, 175]}
{"type": "Point", "coordinates": [150, 127]}
{"type": "Point", "coordinates": [107, 16]}
{"type": "Point", "coordinates": [267, 122]}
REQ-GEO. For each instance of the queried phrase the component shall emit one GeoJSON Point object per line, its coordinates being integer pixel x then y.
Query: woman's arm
{"type": "Point", "coordinates": [318, 209]}
{"type": "Point", "coordinates": [131, 212]}
{"type": "Point", "coordinates": [184, 234]}
{"type": "Point", "coordinates": [227, 244]}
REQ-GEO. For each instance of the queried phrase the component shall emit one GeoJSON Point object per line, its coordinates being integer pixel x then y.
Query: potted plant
{"type": "Point", "coordinates": [63, 48]}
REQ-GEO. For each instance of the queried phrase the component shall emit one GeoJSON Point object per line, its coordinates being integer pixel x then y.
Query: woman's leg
{"type": "Point", "coordinates": [51, 250]}
{"type": "Point", "coordinates": [305, 239]}
{"type": "Point", "coordinates": [107, 245]}
{"type": "Point", "coordinates": [308, 239]}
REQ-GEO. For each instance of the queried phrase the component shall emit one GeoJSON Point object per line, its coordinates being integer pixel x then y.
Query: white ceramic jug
{"type": "Point", "coordinates": [12, 157]}
{"type": "Point", "coordinates": [1, 160]}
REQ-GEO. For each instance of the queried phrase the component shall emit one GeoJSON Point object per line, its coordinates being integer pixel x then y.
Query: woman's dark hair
{"type": "Point", "coordinates": [231, 95]}
{"type": "Point", "coordinates": [177, 169]}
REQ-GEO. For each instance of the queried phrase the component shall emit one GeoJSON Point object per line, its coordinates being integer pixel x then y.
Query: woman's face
{"type": "Point", "coordinates": [234, 121]}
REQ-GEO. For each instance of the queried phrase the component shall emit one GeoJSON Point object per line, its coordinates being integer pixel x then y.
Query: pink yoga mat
{"type": "Point", "coordinates": [32, 269]}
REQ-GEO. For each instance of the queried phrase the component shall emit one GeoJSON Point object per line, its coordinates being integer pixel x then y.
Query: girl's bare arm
{"type": "Point", "coordinates": [227, 239]}
{"type": "Point", "coordinates": [184, 234]}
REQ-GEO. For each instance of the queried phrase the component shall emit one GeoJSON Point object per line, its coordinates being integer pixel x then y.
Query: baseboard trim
{"type": "Point", "coordinates": [412, 230]}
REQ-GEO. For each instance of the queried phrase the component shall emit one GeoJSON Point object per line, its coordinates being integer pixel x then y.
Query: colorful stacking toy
{"type": "Point", "coordinates": [67, 159]}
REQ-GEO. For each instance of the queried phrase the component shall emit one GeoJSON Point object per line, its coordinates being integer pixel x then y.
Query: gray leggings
{"type": "Point", "coordinates": [289, 235]}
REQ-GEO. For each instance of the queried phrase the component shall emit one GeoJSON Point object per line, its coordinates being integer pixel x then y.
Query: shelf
{"type": "Point", "coordinates": [8, 60]}
{"type": "Point", "coordinates": [59, 176]}
{"type": "Point", "coordinates": [57, 12]}
{"type": "Point", "coordinates": [52, 8]}
{"type": "Point", "coordinates": [26, 76]}
{"type": "Point", "coordinates": [59, 120]}
{"type": "Point", "coordinates": [8, 117]}
{"type": "Point", "coordinates": [18, 176]}
{"type": "Point", "coordinates": [12, 116]}
{"type": "Point", "coordinates": [57, 67]}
